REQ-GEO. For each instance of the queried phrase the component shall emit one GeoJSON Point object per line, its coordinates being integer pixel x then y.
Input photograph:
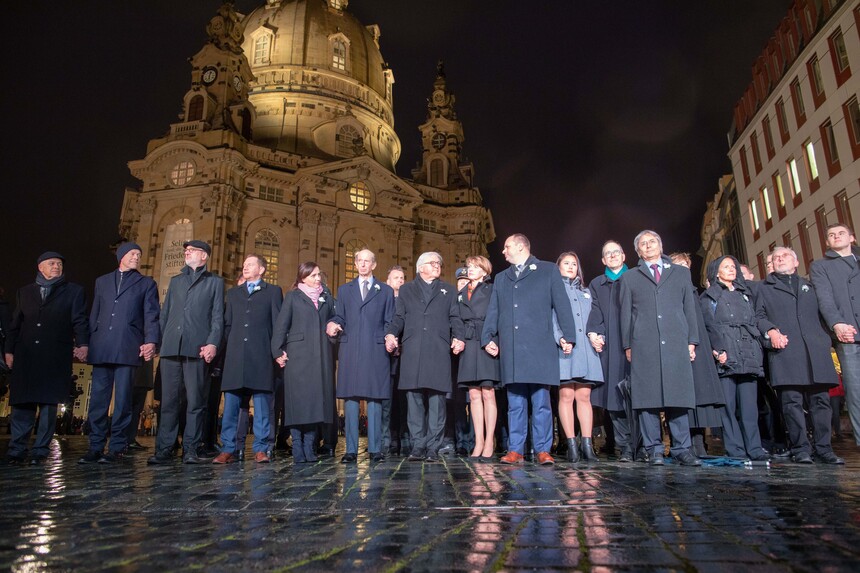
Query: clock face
{"type": "Point", "coordinates": [439, 141]}
{"type": "Point", "coordinates": [438, 97]}
{"type": "Point", "coordinates": [237, 83]}
{"type": "Point", "coordinates": [209, 75]}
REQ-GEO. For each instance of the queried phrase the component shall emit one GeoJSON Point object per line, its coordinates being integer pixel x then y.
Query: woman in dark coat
{"type": "Point", "coordinates": [581, 369]}
{"type": "Point", "coordinates": [729, 312]}
{"type": "Point", "coordinates": [301, 347]}
{"type": "Point", "coordinates": [478, 371]}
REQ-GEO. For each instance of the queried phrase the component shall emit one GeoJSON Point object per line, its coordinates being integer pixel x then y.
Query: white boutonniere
{"type": "Point", "coordinates": [586, 295]}
{"type": "Point", "coordinates": [746, 298]}
{"type": "Point", "coordinates": [376, 286]}
{"type": "Point", "coordinates": [805, 288]}
{"type": "Point", "coordinates": [460, 298]}
{"type": "Point", "coordinates": [321, 299]}
{"type": "Point", "coordinates": [256, 288]}
{"type": "Point", "coordinates": [444, 291]}
{"type": "Point", "coordinates": [666, 265]}
{"type": "Point", "coordinates": [533, 267]}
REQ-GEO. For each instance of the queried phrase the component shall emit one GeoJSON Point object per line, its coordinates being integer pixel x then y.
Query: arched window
{"type": "Point", "coordinates": [267, 245]}
{"type": "Point", "coordinates": [359, 195]}
{"type": "Point", "coordinates": [338, 54]}
{"type": "Point", "coordinates": [352, 247]}
{"type": "Point", "coordinates": [195, 108]}
{"type": "Point", "coordinates": [348, 142]}
{"type": "Point", "coordinates": [437, 173]}
{"type": "Point", "coordinates": [262, 49]}
{"type": "Point", "coordinates": [182, 173]}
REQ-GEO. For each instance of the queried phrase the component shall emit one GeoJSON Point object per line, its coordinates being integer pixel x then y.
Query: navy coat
{"type": "Point", "coordinates": [583, 363]}
{"type": "Point", "coordinates": [309, 373]}
{"type": "Point", "coordinates": [364, 366]}
{"type": "Point", "coordinates": [658, 322]}
{"type": "Point", "coordinates": [41, 337]}
{"type": "Point", "coordinates": [124, 320]}
{"type": "Point", "coordinates": [837, 286]}
{"type": "Point", "coordinates": [249, 322]}
{"type": "Point", "coordinates": [475, 365]}
{"type": "Point", "coordinates": [427, 326]}
{"type": "Point", "coordinates": [192, 315]}
{"type": "Point", "coordinates": [806, 360]}
{"type": "Point", "coordinates": [520, 315]}
{"type": "Point", "coordinates": [605, 321]}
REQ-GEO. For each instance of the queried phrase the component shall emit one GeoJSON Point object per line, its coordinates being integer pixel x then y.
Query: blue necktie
{"type": "Point", "coordinates": [251, 287]}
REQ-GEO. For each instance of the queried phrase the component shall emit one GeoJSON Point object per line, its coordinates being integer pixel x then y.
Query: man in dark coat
{"type": "Point", "coordinates": [837, 284]}
{"type": "Point", "coordinates": [427, 322]}
{"type": "Point", "coordinates": [48, 329]}
{"type": "Point", "coordinates": [364, 311]}
{"type": "Point", "coordinates": [520, 314]}
{"type": "Point", "coordinates": [604, 333]}
{"type": "Point", "coordinates": [799, 356]}
{"type": "Point", "coordinates": [252, 309]}
{"type": "Point", "coordinates": [659, 333]}
{"type": "Point", "coordinates": [192, 322]}
{"type": "Point", "coordinates": [123, 330]}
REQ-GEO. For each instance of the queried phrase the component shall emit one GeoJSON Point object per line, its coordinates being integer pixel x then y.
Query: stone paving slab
{"type": "Point", "coordinates": [451, 516]}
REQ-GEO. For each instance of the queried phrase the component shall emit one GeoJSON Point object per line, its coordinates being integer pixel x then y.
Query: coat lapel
{"type": "Point", "coordinates": [128, 283]}
{"type": "Point", "coordinates": [371, 292]}
{"type": "Point", "coordinates": [645, 270]}
{"type": "Point", "coordinates": [779, 285]}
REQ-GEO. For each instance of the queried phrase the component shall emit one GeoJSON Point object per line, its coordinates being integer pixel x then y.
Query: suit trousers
{"type": "Point", "coordinates": [849, 359]}
{"type": "Point", "coordinates": [679, 428]}
{"type": "Point", "coordinates": [117, 381]}
{"type": "Point", "coordinates": [230, 422]}
{"type": "Point", "coordinates": [374, 425]}
{"type": "Point", "coordinates": [138, 400]}
{"type": "Point", "coordinates": [386, 425]}
{"type": "Point", "coordinates": [621, 426]}
{"type": "Point", "coordinates": [426, 419]}
{"type": "Point", "coordinates": [741, 436]}
{"type": "Point", "coordinates": [818, 401]}
{"type": "Point", "coordinates": [21, 423]}
{"type": "Point", "coordinates": [178, 372]}
{"type": "Point", "coordinates": [519, 396]}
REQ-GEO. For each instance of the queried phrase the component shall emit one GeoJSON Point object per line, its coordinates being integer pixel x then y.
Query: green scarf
{"type": "Point", "coordinates": [615, 276]}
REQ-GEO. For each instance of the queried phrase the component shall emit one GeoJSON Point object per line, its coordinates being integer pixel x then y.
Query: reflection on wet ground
{"type": "Point", "coordinates": [451, 516]}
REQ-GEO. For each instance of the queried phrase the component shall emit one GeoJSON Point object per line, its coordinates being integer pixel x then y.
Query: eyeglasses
{"type": "Point", "coordinates": [434, 263]}
{"type": "Point", "coordinates": [192, 250]}
{"type": "Point", "coordinates": [613, 253]}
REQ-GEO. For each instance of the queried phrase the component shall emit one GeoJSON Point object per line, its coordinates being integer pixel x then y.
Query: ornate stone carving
{"type": "Point", "coordinates": [145, 206]}
{"type": "Point", "coordinates": [308, 217]}
{"type": "Point", "coordinates": [225, 29]}
{"type": "Point", "coordinates": [328, 220]}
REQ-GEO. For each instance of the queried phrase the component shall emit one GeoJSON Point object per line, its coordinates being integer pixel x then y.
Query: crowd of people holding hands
{"type": "Point", "coordinates": [632, 349]}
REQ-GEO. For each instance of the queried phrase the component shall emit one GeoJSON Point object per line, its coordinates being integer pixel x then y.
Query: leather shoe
{"type": "Point", "coordinates": [688, 459]}
{"type": "Point", "coordinates": [415, 457]}
{"type": "Point", "coordinates": [802, 458]}
{"type": "Point", "coordinates": [111, 457]}
{"type": "Point", "coordinates": [193, 459]}
{"type": "Point", "coordinates": [160, 460]}
{"type": "Point", "coordinates": [830, 458]}
{"type": "Point", "coordinates": [545, 459]}
{"type": "Point", "coordinates": [377, 457]}
{"type": "Point", "coordinates": [261, 458]}
{"type": "Point", "coordinates": [135, 445]}
{"type": "Point", "coordinates": [657, 460]}
{"type": "Point", "coordinates": [224, 458]}
{"type": "Point", "coordinates": [91, 457]}
{"type": "Point", "coordinates": [760, 458]}
{"type": "Point", "coordinates": [348, 459]}
{"type": "Point", "coordinates": [432, 458]}
{"type": "Point", "coordinates": [15, 460]}
{"type": "Point", "coordinates": [625, 457]}
{"type": "Point", "coordinates": [37, 460]}
{"type": "Point", "coordinates": [512, 458]}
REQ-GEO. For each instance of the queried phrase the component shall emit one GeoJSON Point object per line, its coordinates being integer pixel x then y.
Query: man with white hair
{"type": "Point", "coordinates": [799, 356]}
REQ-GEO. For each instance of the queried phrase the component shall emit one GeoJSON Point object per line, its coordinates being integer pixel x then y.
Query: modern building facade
{"type": "Point", "coordinates": [286, 147]}
{"type": "Point", "coordinates": [795, 138]}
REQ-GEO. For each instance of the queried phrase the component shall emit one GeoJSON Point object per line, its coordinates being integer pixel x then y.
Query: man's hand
{"type": "Point", "coordinates": [282, 359]}
{"type": "Point", "coordinates": [10, 358]}
{"type": "Point", "coordinates": [390, 342]}
{"type": "Point", "coordinates": [208, 352]}
{"type": "Point", "coordinates": [147, 351]}
{"type": "Point", "coordinates": [845, 332]}
{"type": "Point", "coordinates": [627, 354]}
{"type": "Point", "coordinates": [333, 328]}
{"type": "Point", "coordinates": [458, 346]}
{"type": "Point", "coordinates": [80, 353]}
{"type": "Point", "coordinates": [566, 347]}
{"type": "Point", "coordinates": [597, 341]}
{"type": "Point", "coordinates": [492, 349]}
{"type": "Point", "coordinates": [692, 348]}
{"type": "Point", "coordinates": [721, 357]}
{"type": "Point", "coordinates": [777, 339]}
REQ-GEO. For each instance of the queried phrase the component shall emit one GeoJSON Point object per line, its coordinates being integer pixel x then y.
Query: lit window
{"type": "Point", "coordinates": [348, 142]}
{"type": "Point", "coordinates": [262, 49]}
{"type": "Point", "coordinates": [352, 247]}
{"type": "Point", "coordinates": [182, 173]}
{"type": "Point", "coordinates": [338, 57]}
{"type": "Point", "coordinates": [183, 221]}
{"type": "Point", "coordinates": [810, 161]}
{"type": "Point", "coordinates": [267, 245]}
{"type": "Point", "coordinates": [780, 194]}
{"type": "Point", "coordinates": [336, 4]}
{"type": "Point", "coordinates": [427, 224]}
{"type": "Point", "coordinates": [436, 172]}
{"type": "Point", "coordinates": [359, 195]}
{"type": "Point", "coordinates": [754, 216]}
{"type": "Point", "coordinates": [793, 178]}
{"type": "Point", "coordinates": [765, 203]}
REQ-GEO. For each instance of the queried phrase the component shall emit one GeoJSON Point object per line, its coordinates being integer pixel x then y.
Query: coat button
{"type": "Point", "coordinates": [659, 316]}
{"type": "Point", "coordinates": [515, 305]}
{"type": "Point", "coordinates": [38, 324]}
{"type": "Point", "coordinates": [246, 326]}
{"type": "Point", "coordinates": [662, 342]}
{"type": "Point", "coordinates": [37, 342]}
{"type": "Point", "coordinates": [516, 328]}
{"type": "Point", "coordinates": [245, 339]}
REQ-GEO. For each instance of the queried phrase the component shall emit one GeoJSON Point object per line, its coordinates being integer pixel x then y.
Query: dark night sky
{"type": "Point", "coordinates": [584, 120]}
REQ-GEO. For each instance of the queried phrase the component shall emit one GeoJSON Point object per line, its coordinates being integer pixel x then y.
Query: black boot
{"type": "Point", "coordinates": [588, 451]}
{"type": "Point", "coordinates": [572, 450]}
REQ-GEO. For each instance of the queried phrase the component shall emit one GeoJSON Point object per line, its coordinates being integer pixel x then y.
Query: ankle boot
{"type": "Point", "coordinates": [699, 445]}
{"type": "Point", "coordinates": [588, 451]}
{"type": "Point", "coordinates": [572, 450]}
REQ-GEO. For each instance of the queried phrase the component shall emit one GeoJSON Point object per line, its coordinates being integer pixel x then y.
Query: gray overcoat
{"type": "Point", "coordinates": [583, 363]}
{"type": "Point", "coordinates": [192, 315]}
{"type": "Point", "coordinates": [837, 286]}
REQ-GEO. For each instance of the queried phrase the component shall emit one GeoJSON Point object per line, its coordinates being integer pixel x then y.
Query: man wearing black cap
{"type": "Point", "coordinates": [123, 329]}
{"type": "Point", "coordinates": [192, 323]}
{"type": "Point", "coordinates": [48, 328]}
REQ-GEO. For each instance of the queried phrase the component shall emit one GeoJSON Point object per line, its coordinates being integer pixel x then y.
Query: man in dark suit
{"type": "Point", "coordinates": [192, 322]}
{"type": "Point", "coordinates": [520, 315]}
{"type": "Point", "coordinates": [48, 328]}
{"type": "Point", "coordinates": [123, 329]}
{"type": "Point", "coordinates": [427, 317]}
{"type": "Point", "coordinates": [801, 369]}
{"type": "Point", "coordinates": [659, 333]}
{"type": "Point", "coordinates": [365, 308]}
{"type": "Point", "coordinates": [252, 309]}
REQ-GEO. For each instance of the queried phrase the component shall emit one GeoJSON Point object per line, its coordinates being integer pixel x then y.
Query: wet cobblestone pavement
{"type": "Point", "coordinates": [450, 516]}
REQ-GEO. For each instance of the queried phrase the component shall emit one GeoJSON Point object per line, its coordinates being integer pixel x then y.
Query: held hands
{"type": "Point", "coordinates": [80, 353]}
{"type": "Point", "coordinates": [692, 348]}
{"type": "Point", "coordinates": [846, 333]}
{"type": "Point", "coordinates": [282, 359]}
{"type": "Point", "coordinates": [566, 347]}
{"type": "Point", "coordinates": [9, 359]}
{"type": "Point", "coordinates": [458, 346]}
{"type": "Point", "coordinates": [777, 339]}
{"type": "Point", "coordinates": [597, 341]}
{"type": "Point", "coordinates": [333, 328]}
{"type": "Point", "coordinates": [208, 352]}
{"type": "Point", "coordinates": [721, 357]}
{"type": "Point", "coordinates": [390, 343]}
{"type": "Point", "coordinates": [627, 353]}
{"type": "Point", "coordinates": [492, 349]}
{"type": "Point", "coordinates": [147, 351]}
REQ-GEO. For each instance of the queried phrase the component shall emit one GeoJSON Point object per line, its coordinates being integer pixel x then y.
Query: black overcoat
{"type": "Point", "coordinates": [249, 321]}
{"type": "Point", "coordinates": [41, 337]}
{"type": "Point", "coordinates": [806, 360]}
{"type": "Point", "coordinates": [606, 321]}
{"type": "Point", "coordinates": [192, 315]}
{"type": "Point", "coordinates": [837, 286]}
{"type": "Point", "coordinates": [425, 327]}
{"type": "Point", "coordinates": [475, 364]}
{"type": "Point", "coordinates": [309, 373]}
{"type": "Point", "coordinates": [730, 322]}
